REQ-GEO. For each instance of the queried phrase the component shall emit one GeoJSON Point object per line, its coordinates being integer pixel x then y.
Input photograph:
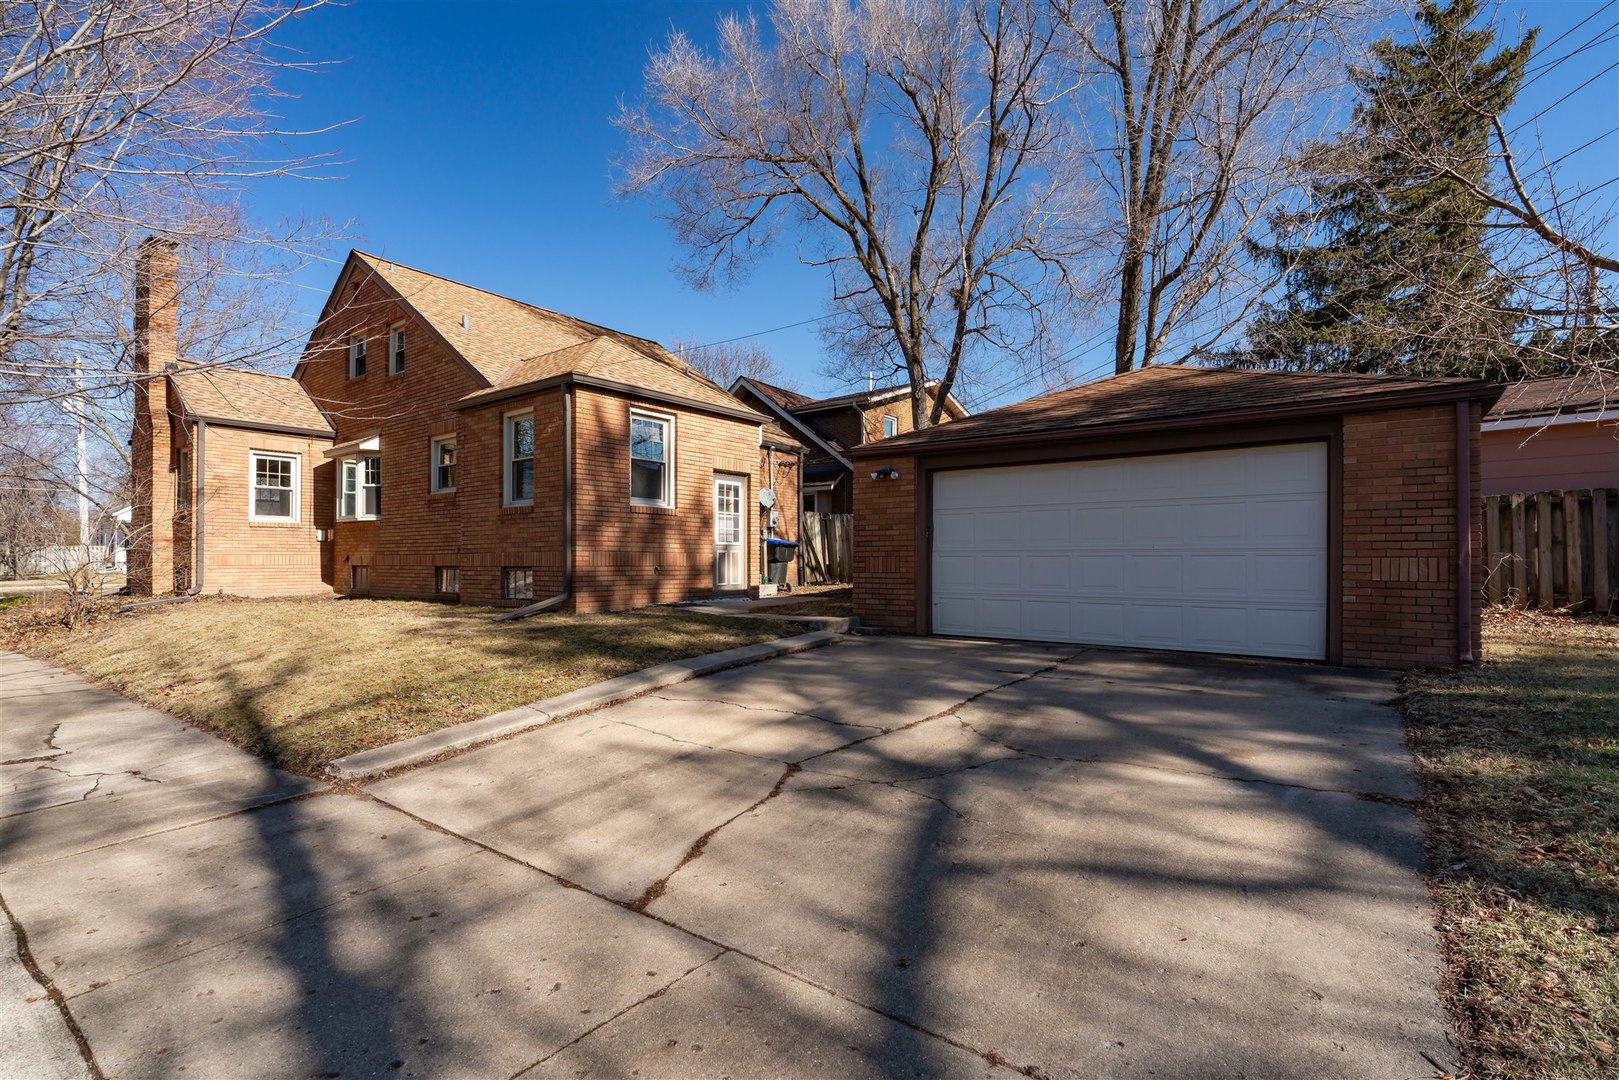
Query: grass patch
{"type": "Point", "coordinates": [13, 601]}
{"type": "Point", "coordinates": [1520, 760]}
{"type": "Point", "coordinates": [306, 681]}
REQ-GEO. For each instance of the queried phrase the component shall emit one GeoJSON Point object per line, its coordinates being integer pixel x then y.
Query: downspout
{"type": "Point", "coordinates": [1464, 532]}
{"type": "Point", "coordinates": [567, 520]}
{"type": "Point", "coordinates": [200, 472]}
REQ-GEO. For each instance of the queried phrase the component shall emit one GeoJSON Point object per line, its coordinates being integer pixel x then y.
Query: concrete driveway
{"type": "Point", "coordinates": [888, 857]}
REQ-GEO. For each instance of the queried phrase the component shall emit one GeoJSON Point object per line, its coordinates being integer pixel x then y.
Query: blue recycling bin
{"type": "Point", "coordinates": [778, 553]}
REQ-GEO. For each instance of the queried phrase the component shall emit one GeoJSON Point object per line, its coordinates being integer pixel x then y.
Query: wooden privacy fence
{"type": "Point", "coordinates": [828, 547]}
{"type": "Point", "coordinates": [1552, 549]}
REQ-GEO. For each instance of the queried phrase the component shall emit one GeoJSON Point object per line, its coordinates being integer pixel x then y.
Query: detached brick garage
{"type": "Point", "coordinates": [1300, 515]}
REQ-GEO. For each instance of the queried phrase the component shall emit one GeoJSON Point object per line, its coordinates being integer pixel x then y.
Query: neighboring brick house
{"type": "Point", "coordinates": [1315, 516]}
{"type": "Point", "coordinates": [471, 447]}
{"type": "Point", "coordinates": [1553, 434]}
{"type": "Point", "coordinates": [830, 427]}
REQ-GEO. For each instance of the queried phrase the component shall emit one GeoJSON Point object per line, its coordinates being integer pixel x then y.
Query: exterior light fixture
{"type": "Point", "coordinates": [887, 472]}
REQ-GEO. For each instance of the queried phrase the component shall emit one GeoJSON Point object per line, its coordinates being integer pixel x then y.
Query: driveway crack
{"type": "Point", "coordinates": [632, 1006]}
{"type": "Point", "coordinates": [695, 852]}
{"type": "Point", "coordinates": [26, 957]}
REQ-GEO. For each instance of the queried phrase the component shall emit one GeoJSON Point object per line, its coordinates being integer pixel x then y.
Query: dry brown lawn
{"type": "Point", "coordinates": [1520, 760]}
{"type": "Point", "coordinates": [307, 681]}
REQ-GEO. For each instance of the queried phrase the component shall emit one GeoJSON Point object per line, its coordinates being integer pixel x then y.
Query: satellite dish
{"type": "Point", "coordinates": [767, 498]}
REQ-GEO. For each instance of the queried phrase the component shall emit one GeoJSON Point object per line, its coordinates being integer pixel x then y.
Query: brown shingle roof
{"type": "Point", "coordinates": [1548, 397]}
{"type": "Point", "coordinates": [511, 343]}
{"type": "Point", "coordinates": [786, 399]}
{"type": "Point", "coordinates": [247, 399]}
{"type": "Point", "coordinates": [780, 437]}
{"type": "Point", "coordinates": [1158, 394]}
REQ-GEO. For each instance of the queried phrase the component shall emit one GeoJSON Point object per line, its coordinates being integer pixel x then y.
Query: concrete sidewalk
{"type": "Point", "coordinates": [886, 857]}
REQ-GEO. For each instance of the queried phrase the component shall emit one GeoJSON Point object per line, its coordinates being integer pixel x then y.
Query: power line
{"type": "Point", "coordinates": [1579, 24]}
{"type": "Point", "coordinates": [1565, 97]}
{"type": "Point", "coordinates": [1540, 70]}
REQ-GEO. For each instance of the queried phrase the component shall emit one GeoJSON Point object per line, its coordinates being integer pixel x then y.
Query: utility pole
{"type": "Point", "coordinates": [83, 455]}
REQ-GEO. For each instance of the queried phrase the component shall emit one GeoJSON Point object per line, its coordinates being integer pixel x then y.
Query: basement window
{"type": "Point", "coordinates": [447, 580]}
{"type": "Point", "coordinates": [274, 486]}
{"type": "Point", "coordinates": [517, 583]}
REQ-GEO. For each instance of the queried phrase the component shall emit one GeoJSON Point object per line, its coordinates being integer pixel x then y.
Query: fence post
{"type": "Point", "coordinates": [1573, 586]}
{"type": "Point", "coordinates": [1492, 549]}
{"type": "Point", "coordinates": [1520, 553]}
{"type": "Point", "coordinates": [1545, 569]}
{"type": "Point", "coordinates": [1601, 553]}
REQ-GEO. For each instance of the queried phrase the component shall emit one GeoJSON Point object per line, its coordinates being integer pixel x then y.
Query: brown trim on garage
{"type": "Point", "coordinates": [1157, 443]}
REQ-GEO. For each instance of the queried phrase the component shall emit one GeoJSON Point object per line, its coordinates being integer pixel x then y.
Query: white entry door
{"type": "Point", "coordinates": [730, 557]}
{"type": "Point", "coordinates": [1222, 551]}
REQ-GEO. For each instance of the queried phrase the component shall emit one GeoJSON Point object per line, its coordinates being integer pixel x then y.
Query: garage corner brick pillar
{"type": "Point", "coordinates": [885, 571]}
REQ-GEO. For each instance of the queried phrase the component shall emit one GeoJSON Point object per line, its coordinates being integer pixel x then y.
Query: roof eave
{"type": "Point", "coordinates": [1480, 391]}
{"type": "Point", "coordinates": [253, 425]}
{"type": "Point", "coordinates": [793, 422]}
{"type": "Point", "coordinates": [499, 394]}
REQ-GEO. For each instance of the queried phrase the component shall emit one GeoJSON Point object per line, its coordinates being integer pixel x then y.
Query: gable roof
{"type": "Point", "coordinates": [773, 396]}
{"type": "Point", "coordinates": [511, 345]}
{"type": "Point", "coordinates": [875, 396]}
{"type": "Point", "coordinates": [1161, 396]}
{"type": "Point", "coordinates": [249, 399]}
{"type": "Point", "coordinates": [1587, 391]}
{"type": "Point", "coordinates": [777, 395]}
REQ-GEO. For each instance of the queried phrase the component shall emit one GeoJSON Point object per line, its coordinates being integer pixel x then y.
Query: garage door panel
{"type": "Point", "coordinates": [1223, 551]}
{"type": "Point", "coordinates": [1151, 574]}
{"type": "Point", "coordinates": [1217, 522]}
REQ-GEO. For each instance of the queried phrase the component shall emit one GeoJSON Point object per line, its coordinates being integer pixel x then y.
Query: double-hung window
{"type": "Point", "coordinates": [359, 493]}
{"type": "Point", "coordinates": [652, 474]}
{"type": "Point", "coordinates": [275, 486]}
{"type": "Point", "coordinates": [396, 349]}
{"type": "Point", "coordinates": [442, 453]}
{"type": "Point", "coordinates": [356, 356]}
{"type": "Point", "coordinates": [519, 470]}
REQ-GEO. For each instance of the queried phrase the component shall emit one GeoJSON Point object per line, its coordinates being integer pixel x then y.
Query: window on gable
{"type": "Point", "coordinates": [519, 459]}
{"type": "Point", "coordinates": [890, 427]}
{"type": "Point", "coordinates": [396, 349]}
{"type": "Point", "coordinates": [359, 493]}
{"type": "Point", "coordinates": [275, 486]}
{"type": "Point", "coordinates": [356, 356]}
{"type": "Point", "coordinates": [651, 469]}
{"type": "Point", "coordinates": [443, 457]}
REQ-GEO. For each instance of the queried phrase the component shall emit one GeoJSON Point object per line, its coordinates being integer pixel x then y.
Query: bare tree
{"type": "Point", "coordinates": [917, 146]}
{"type": "Point", "coordinates": [120, 118]}
{"type": "Point", "coordinates": [1202, 103]}
{"type": "Point", "coordinates": [724, 363]}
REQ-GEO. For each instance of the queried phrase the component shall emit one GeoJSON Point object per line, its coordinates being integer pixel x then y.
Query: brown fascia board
{"type": "Point", "coordinates": [1481, 391]}
{"type": "Point", "coordinates": [278, 429]}
{"type": "Point", "coordinates": [793, 421]}
{"type": "Point", "coordinates": [492, 397]}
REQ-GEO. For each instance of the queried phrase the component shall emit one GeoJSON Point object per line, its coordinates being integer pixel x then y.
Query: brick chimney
{"type": "Point", "coordinates": [151, 554]}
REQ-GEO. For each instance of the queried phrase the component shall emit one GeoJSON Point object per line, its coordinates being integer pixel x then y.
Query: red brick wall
{"type": "Point", "coordinates": [1399, 538]}
{"type": "Point", "coordinates": [884, 570]}
{"type": "Point", "coordinates": [151, 534]}
{"type": "Point", "coordinates": [244, 557]}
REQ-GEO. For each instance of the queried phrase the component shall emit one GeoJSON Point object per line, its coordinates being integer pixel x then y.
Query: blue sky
{"type": "Point", "coordinates": [481, 149]}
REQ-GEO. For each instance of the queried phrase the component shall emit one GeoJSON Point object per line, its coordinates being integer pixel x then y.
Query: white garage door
{"type": "Point", "coordinates": [1222, 551]}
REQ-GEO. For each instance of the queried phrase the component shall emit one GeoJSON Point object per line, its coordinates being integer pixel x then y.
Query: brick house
{"type": "Point", "coordinates": [440, 441]}
{"type": "Point", "coordinates": [1553, 434]}
{"type": "Point", "coordinates": [829, 427]}
{"type": "Point", "coordinates": [1313, 516]}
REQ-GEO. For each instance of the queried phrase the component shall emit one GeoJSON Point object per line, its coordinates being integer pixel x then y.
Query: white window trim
{"type": "Point", "coordinates": [253, 459]}
{"type": "Point", "coordinates": [357, 349]}
{"type": "Point", "coordinates": [396, 329]}
{"type": "Point", "coordinates": [432, 463]}
{"type": "Point", "coordinates": [669, 489]}
{"type": "Point", "coordinates": [507, 422]}
{"type": "Point", "coordinates": [890, 420]}
{"type": "Point", "coordinates": [359, 500]}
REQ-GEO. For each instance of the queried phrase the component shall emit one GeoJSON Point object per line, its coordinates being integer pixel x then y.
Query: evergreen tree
{"type": "Point", "coordinates": [1389, 269]}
